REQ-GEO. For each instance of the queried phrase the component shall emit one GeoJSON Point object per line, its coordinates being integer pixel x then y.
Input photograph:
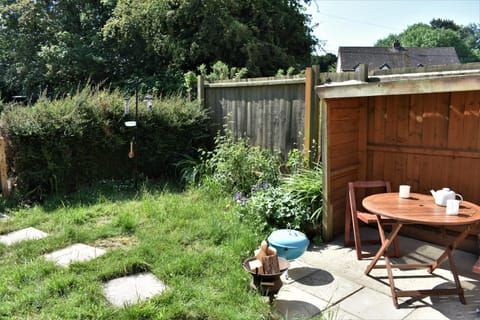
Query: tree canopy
{"type": "Point", "coordinates": [440, 33]}
{"type": "Point", "coordinates": [57, 45]}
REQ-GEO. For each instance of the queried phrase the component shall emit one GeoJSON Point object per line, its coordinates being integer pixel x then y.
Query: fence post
{"type": "Point", "coordinates": [3, 169]}
{"type": "Point", "coordinates": [362, 74]}
{"type": "Point", "coordinates": [311, 118]}
{"type": "Point", "coordinates": [200, 91]}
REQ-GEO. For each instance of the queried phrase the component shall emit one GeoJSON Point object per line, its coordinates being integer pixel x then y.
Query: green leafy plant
{"type": "Point", "coordinates": [272, 208]}
{"type": "Point", "coordinates": [190, 83]}
{"type": "Point", "coordinates": [297, 201]}
{"type": "Point", "coordinates": [305, 187]}
{"type": "Point", "coordinates": [235, 166]}
{"type": "Point", "coordinates": [221, 71]}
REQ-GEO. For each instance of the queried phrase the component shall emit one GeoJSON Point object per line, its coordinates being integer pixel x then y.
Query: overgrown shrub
{"type": "Point", "coordinates": [263, 196]}
{"type": "Point", "coordinates": [296, 201]}
{"type": "Point", "coordinates": [270, 207]}
{"type": "Point", "coordinates": [61, 144]}
{"type": "Point", "coordinates": [236, 166]}
{"type": "Point", "coordinates": [305, 186]}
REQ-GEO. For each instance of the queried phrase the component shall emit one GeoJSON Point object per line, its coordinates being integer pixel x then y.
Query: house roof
{"type": "Point", "coordinates": [394, 57]}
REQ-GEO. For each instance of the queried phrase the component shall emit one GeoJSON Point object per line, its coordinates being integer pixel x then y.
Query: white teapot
{"type": "Point", "coordinates": [441, 196]}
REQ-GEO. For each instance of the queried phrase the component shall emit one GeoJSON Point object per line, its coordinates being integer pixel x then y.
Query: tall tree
{"type": "Point", "coordinates": [262, 35]}
{"type": "Point", "coordinates": [441, 33]}
{"type": "Point", "coordinates": [51, 45]}
{"type": "Point", "coordinates": [60, 44]}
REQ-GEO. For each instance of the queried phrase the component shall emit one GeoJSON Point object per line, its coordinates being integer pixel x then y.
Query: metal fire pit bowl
{"type": "Point", "coordinates": [266, 284]}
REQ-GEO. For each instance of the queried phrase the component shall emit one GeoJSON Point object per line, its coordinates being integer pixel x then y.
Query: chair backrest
{"type": "Point", "coordinates": [374, 186]}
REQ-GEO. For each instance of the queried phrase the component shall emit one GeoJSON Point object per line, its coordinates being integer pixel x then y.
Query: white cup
{"type": "Point", "coordinates": [404, 191]}
{"type": "Point", "coordinates": [452, 207]}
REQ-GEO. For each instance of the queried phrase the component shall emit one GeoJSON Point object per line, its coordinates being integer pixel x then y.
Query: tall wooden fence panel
{"type": "Point", "coordinates": [270, 112]}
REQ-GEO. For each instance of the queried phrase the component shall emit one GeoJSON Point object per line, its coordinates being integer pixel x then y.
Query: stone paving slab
{"type": "Point", "coordinates": [132, 289]}
{"type": "Point", "coordinates": [336, 313]}
{"type": "Point", "coordinates": [22, 235]}
{"type": "Point", "coordinates": [327, 286]}
{"type": "Point", "coordinates": [427, 313]}
{"type": "Point", "coordinates": [297, 271]}
{"type": "Point", "coordinates": [78, 252]}
{"type": "Point", "coordinates": [370, 304]}
{"type": "Point", "coordinates": [294, 303]}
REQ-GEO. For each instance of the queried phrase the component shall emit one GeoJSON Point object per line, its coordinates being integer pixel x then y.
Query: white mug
{"type": "Point", "coordinates": [452, 207]}
{"type": "Point", "coordinates": [404, 191]}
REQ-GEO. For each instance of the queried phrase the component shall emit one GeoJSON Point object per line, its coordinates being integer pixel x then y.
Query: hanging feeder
{"type": "Point", "coordinates": [130, 153]}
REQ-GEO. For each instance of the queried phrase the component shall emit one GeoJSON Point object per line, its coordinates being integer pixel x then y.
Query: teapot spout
{"type": "Point", "coordinates": [433, 193]}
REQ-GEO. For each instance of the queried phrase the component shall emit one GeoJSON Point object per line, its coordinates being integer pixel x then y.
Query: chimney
{"type": "Point", "coordinates": [396, 44]}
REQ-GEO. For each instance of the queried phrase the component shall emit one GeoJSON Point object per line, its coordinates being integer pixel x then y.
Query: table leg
{"type": "Point", "coordinates": [388, 266]}
{"type": "Point", "coordinates": [454, 244]}
{"type": "Point", "coordinates": [385, 244]}
{"type": "Point", "coordinates": [453, 269]}
{"type": "Point", "coordinates": [419, 293]}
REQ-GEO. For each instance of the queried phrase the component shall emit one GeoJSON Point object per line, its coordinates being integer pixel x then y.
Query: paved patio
{"type": "Point", "coordinates": [328, 280]}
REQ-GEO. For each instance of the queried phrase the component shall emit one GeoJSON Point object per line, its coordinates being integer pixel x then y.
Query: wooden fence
{"type": "Point", "coordinates": [278, 114]}
{"type": "Point", "coordinates": [269, 111]}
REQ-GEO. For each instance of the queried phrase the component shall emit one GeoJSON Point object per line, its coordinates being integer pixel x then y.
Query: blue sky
{"type": "Point", "coordinates": [362, 23]}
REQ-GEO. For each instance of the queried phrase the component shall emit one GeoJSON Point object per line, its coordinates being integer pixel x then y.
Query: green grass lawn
{"type": "Point", "coordinates": [193, 243]}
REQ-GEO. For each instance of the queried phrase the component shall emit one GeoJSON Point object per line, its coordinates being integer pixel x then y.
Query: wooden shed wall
{"type": "Point", "coordinates": [344, 145]}
{"type": "Point", "coordinates": [428, 141]}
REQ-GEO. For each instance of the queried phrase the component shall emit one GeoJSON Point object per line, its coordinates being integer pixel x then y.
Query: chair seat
{"type": "Point", "coordinates": [476, 266]}
{"type": "Point", "coordinates": [366, 217]}
{"type": "Point", "coordinates": [371, 218]}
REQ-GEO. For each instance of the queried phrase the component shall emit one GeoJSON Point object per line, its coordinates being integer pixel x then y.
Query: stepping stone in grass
{"type": "Point", "coordinates": [21, 235]}
{"type": "Point", "coordinates": [78, 252]}
{"type": "Point", "coordinates": [132, 289]}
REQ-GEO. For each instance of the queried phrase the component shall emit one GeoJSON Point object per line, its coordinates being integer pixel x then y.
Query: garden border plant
{"type": "Point", "coordinates": [267, 192]}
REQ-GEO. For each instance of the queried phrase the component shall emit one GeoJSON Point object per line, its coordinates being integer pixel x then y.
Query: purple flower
{"type": "Point", "coordinates": [238, 196]}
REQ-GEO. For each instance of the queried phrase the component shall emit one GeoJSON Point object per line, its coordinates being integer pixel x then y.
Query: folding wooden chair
{"type": "Point", "coordinates": [353, 215]}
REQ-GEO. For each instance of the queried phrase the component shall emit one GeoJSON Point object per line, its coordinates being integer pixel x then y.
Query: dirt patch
{"type": "Point", "coordinates": [103, 222]}
{"type": "Point", "coordinates": [115, 242]}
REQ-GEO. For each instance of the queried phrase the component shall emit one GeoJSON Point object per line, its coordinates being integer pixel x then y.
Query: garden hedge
{"type": "Point", "coordinates": [58, 145]}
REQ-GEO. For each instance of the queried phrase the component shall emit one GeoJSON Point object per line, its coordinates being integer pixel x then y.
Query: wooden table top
{"type": "Point", "coordinates": [419, 208]}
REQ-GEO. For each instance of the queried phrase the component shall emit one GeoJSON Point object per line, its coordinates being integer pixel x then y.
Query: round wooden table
{"type": "Point", "coordinates": [419, 209]}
